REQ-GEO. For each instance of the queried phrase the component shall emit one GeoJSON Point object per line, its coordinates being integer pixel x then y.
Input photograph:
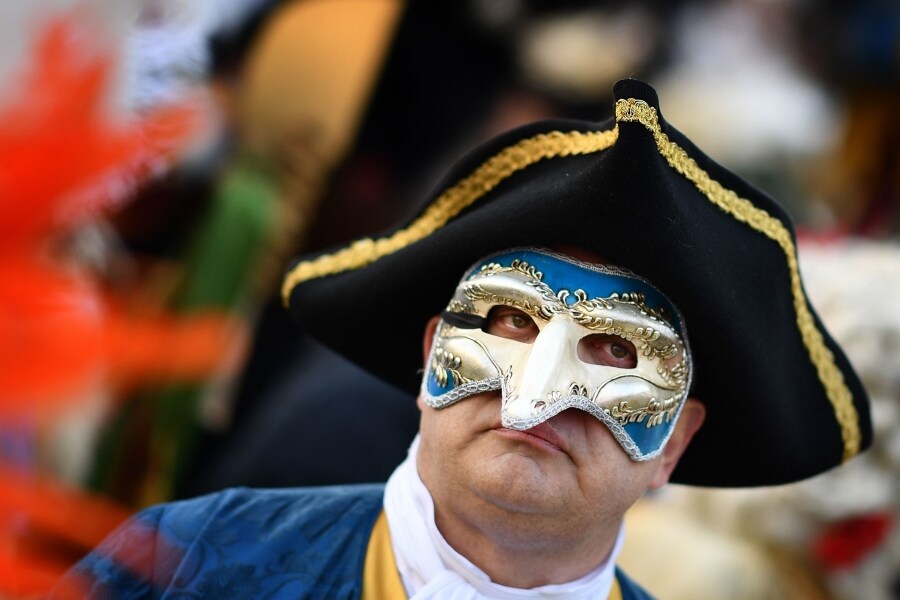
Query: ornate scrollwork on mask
{"type": "Point", "coordinates": [577, 389]}
{"type": "Point", "coordinates": [445, 365]}
{"type": "Point", "coordinates": [516, 265]}
{"type": "Point", "coordinates": [654, 412]}
{"type": "Point", "coordinates": [459, 306]}
{"type": "Point", "coordinates": [476, 293]}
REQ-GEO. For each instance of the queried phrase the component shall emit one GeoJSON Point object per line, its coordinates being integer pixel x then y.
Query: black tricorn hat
{"type": "Point", "coordinates": [783, 402]}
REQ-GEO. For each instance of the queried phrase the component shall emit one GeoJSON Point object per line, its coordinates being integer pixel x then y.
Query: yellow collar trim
{"type": "Point", "coordinates": [381, 579]}
{"type": "Point", "coordinates": [615, 592]}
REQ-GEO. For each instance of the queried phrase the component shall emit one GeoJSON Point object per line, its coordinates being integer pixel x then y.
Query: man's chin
{"type": "Point", "coordinates": [523, 482]}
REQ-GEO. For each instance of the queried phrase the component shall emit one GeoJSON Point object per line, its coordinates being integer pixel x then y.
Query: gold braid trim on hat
{"type": "Point", "coordinates": [450, 203]}
{"type": "Point", "coordinates": [743, 210]}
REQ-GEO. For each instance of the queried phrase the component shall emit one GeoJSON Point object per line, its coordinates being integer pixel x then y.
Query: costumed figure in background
{"type": "Point", "coordinates": [290, 92]}
{"type": "Point", "coordinates": [619, 290]}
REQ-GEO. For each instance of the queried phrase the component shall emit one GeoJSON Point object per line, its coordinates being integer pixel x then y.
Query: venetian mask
{"type": "Point", "coordinates": [551, 333]}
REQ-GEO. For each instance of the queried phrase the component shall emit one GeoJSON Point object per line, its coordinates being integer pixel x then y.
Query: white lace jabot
{"type": "Point", "coordinates": [431, 569]}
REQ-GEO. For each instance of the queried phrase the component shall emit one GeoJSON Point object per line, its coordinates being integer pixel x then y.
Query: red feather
{"type": "Point", "coordinates": [57, 139]}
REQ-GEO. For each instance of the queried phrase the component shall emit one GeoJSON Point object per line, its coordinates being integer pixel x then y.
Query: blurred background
{"type": "Point", "coordinates": [162, 161]}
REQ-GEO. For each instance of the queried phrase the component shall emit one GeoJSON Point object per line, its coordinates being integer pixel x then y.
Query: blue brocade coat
{"type": "Point", "coordinates": [244, 544]}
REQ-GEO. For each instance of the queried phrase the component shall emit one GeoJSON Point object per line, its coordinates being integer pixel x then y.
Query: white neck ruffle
{"type": "Point", "coordinates": [431, 569]}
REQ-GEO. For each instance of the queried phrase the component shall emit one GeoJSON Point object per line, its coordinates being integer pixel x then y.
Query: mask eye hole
{"type": "Point", "coordinates": [511, 323]}
{"type": "Point", "coordinates": [607, 350]}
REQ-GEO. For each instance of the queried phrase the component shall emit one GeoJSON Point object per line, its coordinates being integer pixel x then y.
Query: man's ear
{"type": "Point", "coordinates": [427, 341]}
{"type": "Point", "coordinates": [690, 420]}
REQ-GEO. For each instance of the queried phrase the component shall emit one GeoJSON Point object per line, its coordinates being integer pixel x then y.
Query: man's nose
{"type": "Point", "coordinates": [548, 370]}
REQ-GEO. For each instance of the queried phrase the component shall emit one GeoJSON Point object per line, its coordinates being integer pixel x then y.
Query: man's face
{"type": "Point", "coordinates": [566, 473]}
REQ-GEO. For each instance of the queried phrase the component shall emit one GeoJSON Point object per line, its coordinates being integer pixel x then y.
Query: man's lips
{"type": "Point", "coordinates": [541, 436]}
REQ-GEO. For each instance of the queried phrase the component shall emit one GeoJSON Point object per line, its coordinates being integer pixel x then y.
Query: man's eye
{"type": "Point", "coordinates": [519, 321]}
{"type": "Point", "coordinates": [608, 350]}
{"type": "Point", "coordinates": [618, 350]}
{"type": "Point", "coordinates": [511, 323]}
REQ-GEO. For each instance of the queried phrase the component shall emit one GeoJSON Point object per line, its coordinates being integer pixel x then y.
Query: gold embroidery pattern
{"type": "Point", "coordinates": [485, 178]}
{"type": "Point", "coordinates": [656, 410]}
{"type": "Point", "coordinates": [446, 365]}
{"type": "Point", "coordinates": [743, 210]}
{"type": "Point", "coordinates": [516, 265]}
{"type": "Point", "coordinates": [465, 308]}
{"type": "Point", "coordinates": [476, 293]}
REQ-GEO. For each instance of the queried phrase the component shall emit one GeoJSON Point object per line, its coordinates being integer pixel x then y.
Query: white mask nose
{"type": "Point", "coordinates": [545, 372]}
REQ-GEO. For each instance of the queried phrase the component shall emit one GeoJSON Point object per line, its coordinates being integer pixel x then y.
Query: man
{"type": "Point", "coordinates": [534, 493]}
{"type": "Point", "coordinates": [618, 290]}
